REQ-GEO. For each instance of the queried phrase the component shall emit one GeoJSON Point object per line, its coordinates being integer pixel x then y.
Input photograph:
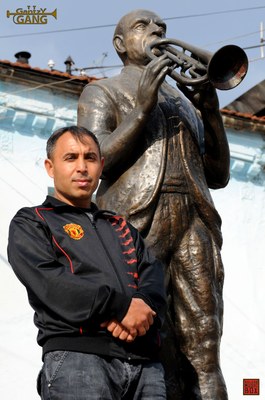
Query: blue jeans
{"type": "Point", "coordinates": [78, 376]}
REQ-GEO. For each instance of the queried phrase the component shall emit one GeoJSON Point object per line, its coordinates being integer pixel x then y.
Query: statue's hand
{"type": "Point", "coordinates": [152, 77]}
{"type": "Point", "coordinates": [203, 97]}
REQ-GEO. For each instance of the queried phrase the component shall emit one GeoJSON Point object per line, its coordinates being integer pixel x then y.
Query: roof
{"type": "Point", "coordinates": [242, 115]}
{"type": "Point", "coordinates": [243, 121]}
{"type": "Point", "coordinates": [55, 73]}
{"type": "Point", "coordinates": [247, 112]}
{"type": "Point", "coordinates": [251, 102]}
{"type": "Point", "coordinates": [17, 71]}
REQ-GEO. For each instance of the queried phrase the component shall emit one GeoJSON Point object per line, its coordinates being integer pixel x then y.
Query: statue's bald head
{"type": "Point", "coordinates": [126, 24]}
{"type": "Point", "coordinates": [127, 19]}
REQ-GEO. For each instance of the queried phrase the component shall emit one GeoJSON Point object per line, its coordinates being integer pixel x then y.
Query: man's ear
{"type": "Point", "coordinates": [118, 44]}
{"type": "Point", "coordinates": [49, 167]}
{"type": "Point", "coordinates": [102, 162]}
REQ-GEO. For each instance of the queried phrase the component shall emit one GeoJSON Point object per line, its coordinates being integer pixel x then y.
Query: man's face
{"type": "Point", "coordinates": [76, 168]}
{"type": "Point", "coordinates": [141, 29]}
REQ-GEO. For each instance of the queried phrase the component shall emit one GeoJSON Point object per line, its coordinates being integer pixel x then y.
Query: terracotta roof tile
{"type": "Point", "coordinates": [248, 116]}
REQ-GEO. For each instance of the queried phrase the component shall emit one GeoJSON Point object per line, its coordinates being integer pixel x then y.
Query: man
{"type": "Point", "coordinates": [96, 290]}
{"type": "Point", "coordinates": [161, 156]}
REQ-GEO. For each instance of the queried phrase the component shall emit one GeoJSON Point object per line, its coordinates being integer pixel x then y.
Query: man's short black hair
{"type": "Point", "coordinates": [78, 132]}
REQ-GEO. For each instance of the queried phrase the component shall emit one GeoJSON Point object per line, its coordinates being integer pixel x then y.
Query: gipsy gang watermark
{"type": "Point", "coordinates": [31, 15]}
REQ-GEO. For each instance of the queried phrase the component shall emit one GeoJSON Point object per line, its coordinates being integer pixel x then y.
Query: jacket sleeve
{"type": "Point", "coordinates": [52, 288]}
{"type": "Point", "coordinates": [151, 285]}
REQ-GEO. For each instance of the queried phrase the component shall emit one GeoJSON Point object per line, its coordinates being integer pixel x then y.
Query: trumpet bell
{"type": "Point", "coordinates": [54, 13]}
{"type": "Point", "coordinates": [227, 67]}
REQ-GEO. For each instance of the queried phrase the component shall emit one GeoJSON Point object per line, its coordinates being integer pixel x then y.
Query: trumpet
{"type": "Point", "coordinates": [192, 66]}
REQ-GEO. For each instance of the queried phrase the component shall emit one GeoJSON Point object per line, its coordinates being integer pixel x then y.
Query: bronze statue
{"type": "Point", "coordinates": [162, 154]}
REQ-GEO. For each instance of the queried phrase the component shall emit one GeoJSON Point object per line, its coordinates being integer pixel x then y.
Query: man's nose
{"type": "Point", "coordinates": [156, 29]}
{"type": "Point", "coordinates": [81, 165]}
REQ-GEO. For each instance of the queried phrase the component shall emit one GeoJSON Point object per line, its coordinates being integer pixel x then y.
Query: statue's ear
{"type": "Point", "coordinates": [118, 44]}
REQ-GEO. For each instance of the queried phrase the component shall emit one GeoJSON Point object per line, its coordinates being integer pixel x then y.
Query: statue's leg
{"type": "Point", "coordinates": [196, 272]}
{"type": "Point", "coordinates": [194, 279]}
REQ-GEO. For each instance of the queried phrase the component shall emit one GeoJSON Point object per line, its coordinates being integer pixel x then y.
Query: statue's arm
{"type": "Point", "coordinates": [118, 137]}
{"type": "Point", "coordinates": [100, 113]}
{"type": "Point", "coordinates": [216, 158]}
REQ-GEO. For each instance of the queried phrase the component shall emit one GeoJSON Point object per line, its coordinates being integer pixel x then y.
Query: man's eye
{"type": "Point", "coordinates": [140, 27]}
{"type": "Point", "coordinates": [90, 157]}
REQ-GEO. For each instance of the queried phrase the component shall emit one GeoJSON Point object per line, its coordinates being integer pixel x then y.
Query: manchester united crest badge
{"type": "Point", "coordinates": [75, 231]}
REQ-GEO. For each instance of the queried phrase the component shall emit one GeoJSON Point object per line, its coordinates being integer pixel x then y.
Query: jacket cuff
{"type": "Point", "coordinates": [120, 306]}
{"type": "Point", "coordinates": [157, 319]}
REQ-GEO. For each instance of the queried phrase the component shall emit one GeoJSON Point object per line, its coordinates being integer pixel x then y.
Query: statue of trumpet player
{"type": "Point", "coordinates": [163, 151]}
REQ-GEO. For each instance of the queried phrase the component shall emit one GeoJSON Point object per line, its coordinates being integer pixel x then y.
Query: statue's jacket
{"type": "Point", "coordinates": [82, 267]}
{"type": "Point", "coordinates": [134, 188]}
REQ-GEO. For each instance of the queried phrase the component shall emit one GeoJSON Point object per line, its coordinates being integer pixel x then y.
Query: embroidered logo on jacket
{"type": "Point", "coordinates": [75, 231]}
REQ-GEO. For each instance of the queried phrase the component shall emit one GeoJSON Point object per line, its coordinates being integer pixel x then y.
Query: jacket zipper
{"type": "Point", "coordinates": [91, 219]}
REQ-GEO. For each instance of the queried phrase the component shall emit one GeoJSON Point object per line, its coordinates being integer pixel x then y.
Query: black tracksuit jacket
{"type": "Point", "coordinates": [80, 268]}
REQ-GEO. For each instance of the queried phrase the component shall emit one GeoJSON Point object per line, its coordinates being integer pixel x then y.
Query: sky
{"type": "Point", "coordinates": [83, 30]}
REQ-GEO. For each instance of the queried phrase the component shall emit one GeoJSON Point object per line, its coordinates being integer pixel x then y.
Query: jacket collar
{"type": "Point", "coordinates": [51, 201]}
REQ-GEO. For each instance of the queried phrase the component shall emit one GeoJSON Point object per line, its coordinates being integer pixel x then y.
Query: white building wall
{"type": "Point", "coordinates": [23, 182]}
{"type": "Point", "coordinates": [242, 208]}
